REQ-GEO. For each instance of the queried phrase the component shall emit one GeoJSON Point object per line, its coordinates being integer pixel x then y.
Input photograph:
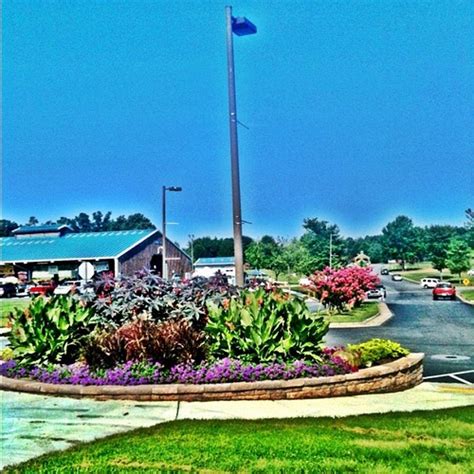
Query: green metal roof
{"type": "Point", "coordinates": [71, 246]}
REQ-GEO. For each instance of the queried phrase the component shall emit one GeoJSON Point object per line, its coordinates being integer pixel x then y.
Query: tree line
{"type": "Point", "coordinates": [321, 245]}
{"type": "Point", "coordinates": [98, 222]}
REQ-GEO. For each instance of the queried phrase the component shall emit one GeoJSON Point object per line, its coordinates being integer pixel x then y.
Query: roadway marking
{"type": "Point", "coordinates": [453, 375]}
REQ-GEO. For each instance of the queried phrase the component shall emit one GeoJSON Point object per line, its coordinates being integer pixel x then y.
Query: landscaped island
{"type": "Point", "coordinates": [143, 330]}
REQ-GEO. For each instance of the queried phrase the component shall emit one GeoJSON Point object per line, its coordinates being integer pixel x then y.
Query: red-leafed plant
{"type": "Point", "coordinates": [342, 288]}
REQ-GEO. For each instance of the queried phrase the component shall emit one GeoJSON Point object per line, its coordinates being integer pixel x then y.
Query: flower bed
{"type": "Point", "coordinates": [139, 373]}
{"type": "Point", "coordinates": [144, 334]}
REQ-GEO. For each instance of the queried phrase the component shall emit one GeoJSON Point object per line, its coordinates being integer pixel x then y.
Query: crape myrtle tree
{"type": "Point", "coordinates": [344, 287]}
{"type": "Point", "coordinates": [458, 256]}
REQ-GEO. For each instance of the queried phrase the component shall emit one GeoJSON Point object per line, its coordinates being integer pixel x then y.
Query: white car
{"type": "Point", "coordinates": [304, 281]}
{"type": "Point", "coordinates": [471, 272]}
{"type": "Point", "coordinates": [71, 287]}
{"type": "Point", "coordinates": [429, 282]}
{"type": "Point", "coordinates": [396, 277]}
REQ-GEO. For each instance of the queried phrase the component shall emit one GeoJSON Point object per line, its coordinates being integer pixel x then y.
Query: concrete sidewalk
{"type": "Point", "coordinates": [34, 424]}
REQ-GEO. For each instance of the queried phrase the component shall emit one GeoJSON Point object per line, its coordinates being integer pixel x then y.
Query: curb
{"type": "Point", "coordinates": [382, 317]}
{"type": "Point", "coordinates": [464, 300]}
{"type": "Point", "coordinates": [394, 376]}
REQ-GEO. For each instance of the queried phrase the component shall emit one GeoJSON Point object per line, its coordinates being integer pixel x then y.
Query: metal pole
{"type": "Point", "coordinates": [164, 272]}
{"type": "Point", "coordinates": [191, 236]}
{"type": "Point", "coordinates": [234, 153]}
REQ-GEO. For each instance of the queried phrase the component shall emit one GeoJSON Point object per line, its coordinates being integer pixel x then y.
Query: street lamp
{"type": "Point", "coordinates": [191, 238]}
{"type": "Point", "coordinates": [241, 27]}
{"type": "Point", "coordinates": [164, 271]}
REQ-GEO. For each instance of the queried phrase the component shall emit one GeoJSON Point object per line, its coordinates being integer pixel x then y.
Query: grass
{"type": "Point", "coordinates": [468, 294]}
{"type": "Point", "coordinates": [429, 272]}
{"type": "Point", "coordinates": [424, 441]}
{"type": "Point", "coordinates": [356, 315]}
{"type": "Point", "coordinates": [8, 305]}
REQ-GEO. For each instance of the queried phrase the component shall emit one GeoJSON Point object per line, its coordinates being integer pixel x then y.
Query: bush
{"type": "Point", "coordinates": [377, 351]}
{"type": "Point", "coordinates": [344, 287]}
{"type": "Point", "coordinates": [50, 330]}
{"type": "Point", "coordinates": [264, 326]}
{"type": "Point", "coordinates": [147, 294]}
{"type": "Point", "coordinates": [169, 343]}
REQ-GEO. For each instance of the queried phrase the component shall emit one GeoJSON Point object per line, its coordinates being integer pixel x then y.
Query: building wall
{"type": "Point", "coordinates": [140, 257]}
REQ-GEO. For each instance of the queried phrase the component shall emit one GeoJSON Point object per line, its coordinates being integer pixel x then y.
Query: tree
{"type": "Point", "coordinates": [437, 243]}
{"type": "Point", "coordinates": [399, 239]}
{"type": "Point", "coordinates": [262, 254]}
{"type": "Point", "coordinates": [321, 239]}
{"type": "Point", "coordinates": [343, 287]}
{"type": "Point", "coordinates": [6, 227]}
{"type": "Point", "coordinates": [458, 256]}
{"type": "Point", "coordinates": [32, 221]}
{"type": "Point", "coordinates": [208, 247]}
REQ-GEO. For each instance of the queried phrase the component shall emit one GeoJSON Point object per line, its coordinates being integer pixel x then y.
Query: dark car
{"type": "Point", "coordinates": [384, 271]}
{"type": "Point", "coordinates": [444, 290]}
{"type": "Point", "coordinates": [7, 290]}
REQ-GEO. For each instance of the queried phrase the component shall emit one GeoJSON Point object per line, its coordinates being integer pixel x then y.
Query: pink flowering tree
{"type": "Point", "coordinates": [342, 288]}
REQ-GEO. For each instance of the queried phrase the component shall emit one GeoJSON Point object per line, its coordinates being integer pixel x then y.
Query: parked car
{"type": "Point", "coordinates": [429, 282]}
{"type": "Point", "coordinates": [444, 290]}
{"type": "Point", "coordinates": [45, 288]}
{"type": "Point", "coordinates": [305, 281]}
{"type": "Point", "coordinates": [379, 292]}
{"type": "Point", "coordinates": [70, 287]}
{"type": "Point", "coordinates": [23, 290]}
{"type": "Point", "coordinates": [7, 290]}
{"type": "Point", "coordinates": [471, 272]}
{"type": "Point", "coordinates": [397, 277]}
{"type": "Point", "coordinates": [384, 271]}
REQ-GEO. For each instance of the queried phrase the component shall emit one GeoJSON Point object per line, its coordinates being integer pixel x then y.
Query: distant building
{"type": "Point", "coordinates": [207, 267]}
{"type": "Point", "coordinates": [48, 250]}
{"type": "Point", "coordinates": [362, 260]}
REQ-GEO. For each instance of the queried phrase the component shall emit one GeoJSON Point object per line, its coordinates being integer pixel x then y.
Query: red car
{"type": "Point", "coordinates": [43, 288]}
{"type": "Point", "coordinates": [444, 290]}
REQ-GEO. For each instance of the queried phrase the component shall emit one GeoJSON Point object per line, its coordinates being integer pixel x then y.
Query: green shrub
{"type": "Point", "coordinates": [6, 354]}
{"type": "Point", "coordinates": [377, 351]}
{"type": "Point", "coordinates": [50, 330]}
{"type": "Point", "coordinates": [262, 326]}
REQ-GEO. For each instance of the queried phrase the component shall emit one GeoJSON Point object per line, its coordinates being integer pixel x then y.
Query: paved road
{"type": "Point", "coordinates": [437, 328]}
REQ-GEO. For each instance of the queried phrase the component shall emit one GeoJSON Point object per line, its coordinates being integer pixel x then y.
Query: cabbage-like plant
{"type": "Point", "coordinates": [264, 325]}
{"type": "Point", "coordinates": [146, 293]}
{"type": "Point", "coordinates": [50, 330]}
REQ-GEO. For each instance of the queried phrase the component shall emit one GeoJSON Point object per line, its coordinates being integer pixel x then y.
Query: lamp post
{"type": "Point", "coordinates": [164, 272]}
{"type": "Point", "coordinates": [241, 27]}
{"type": "Point", "coordinates": [191, 238]}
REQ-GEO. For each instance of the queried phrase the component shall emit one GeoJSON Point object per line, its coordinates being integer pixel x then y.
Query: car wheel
{"type": "Point", "coordinates": [453, 297]}
{"type": "Point", "coordinates": [435, 298]}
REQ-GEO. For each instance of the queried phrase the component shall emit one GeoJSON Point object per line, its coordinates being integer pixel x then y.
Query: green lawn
{"type": "Point", "coordinates": [468, 294]}
{"type": "Point", "coordinates": [432, 273]}
{"type": "Point", "coordinates": [8, 305]}
{"type": "Point", "coordinates": [366, 311]}
{"type": "Point", "coordinates": [434, 441]}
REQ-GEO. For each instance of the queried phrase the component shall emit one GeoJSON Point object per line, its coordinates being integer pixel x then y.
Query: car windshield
{"type": "Point", "coordinates": [443, 285]}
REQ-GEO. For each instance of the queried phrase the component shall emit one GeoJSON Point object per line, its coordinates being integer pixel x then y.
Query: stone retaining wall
{"type": "Point", "coordinates": [392, 377]}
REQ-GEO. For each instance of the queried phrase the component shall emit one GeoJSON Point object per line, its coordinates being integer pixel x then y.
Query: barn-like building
{"type": "Point", "coordinates": [48, 250]}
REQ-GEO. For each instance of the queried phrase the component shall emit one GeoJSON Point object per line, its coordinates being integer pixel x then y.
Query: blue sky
{"type": "Point", "coordinates": [358, 111]}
